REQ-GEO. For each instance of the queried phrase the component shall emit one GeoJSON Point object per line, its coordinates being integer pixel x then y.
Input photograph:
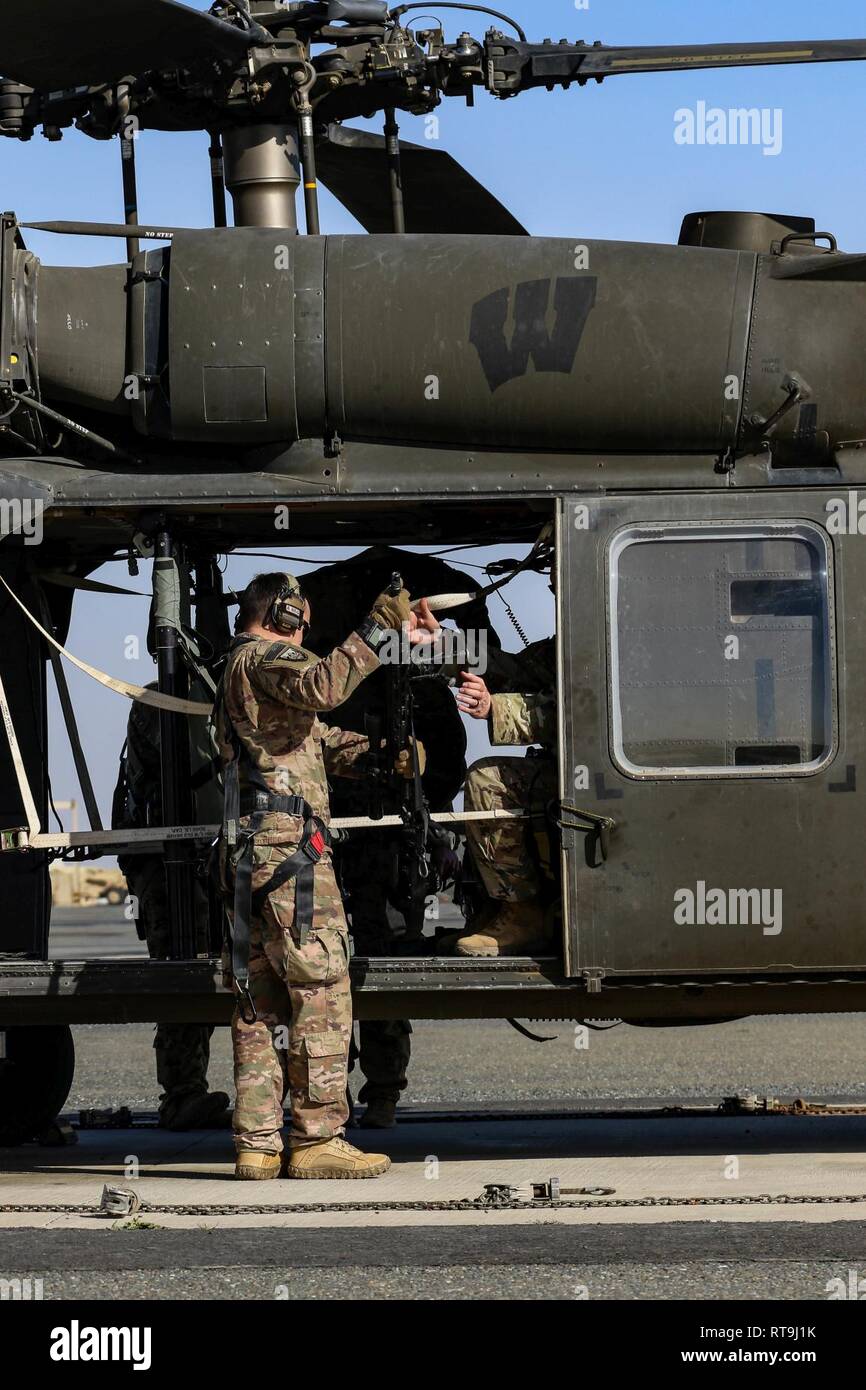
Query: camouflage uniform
{"type": "Point", "coordinates": [272, 695]}
{"type": "Point", "coordinates": [508, 862]}
{"type": "Point", "coordinates": [182, 1049]}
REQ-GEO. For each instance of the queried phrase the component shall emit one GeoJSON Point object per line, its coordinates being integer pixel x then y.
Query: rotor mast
{"type": "Point", "coordinates": [263, 174]}
{"type": "Point", "coordinates": [266, 163]}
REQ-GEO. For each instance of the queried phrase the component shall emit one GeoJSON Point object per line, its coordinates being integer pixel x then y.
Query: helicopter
{"type": "Point", "coordinates": [685, 422]}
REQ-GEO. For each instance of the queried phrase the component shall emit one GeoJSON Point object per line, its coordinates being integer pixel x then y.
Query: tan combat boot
{"type": "Point", "coordinates": [518, 929]}
{"type": "Point", "coordinates": [252, 1166]}
{"type": "Point", "coordinates": [334, 1158]}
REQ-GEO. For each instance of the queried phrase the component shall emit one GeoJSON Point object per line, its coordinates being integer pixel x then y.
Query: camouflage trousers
{"type": "Point", "coordinates": [512, 857]}
{"type": "Point", "coordinates": [300, 1041]}
{"type": "Point", "coordinates": [182, 1049]}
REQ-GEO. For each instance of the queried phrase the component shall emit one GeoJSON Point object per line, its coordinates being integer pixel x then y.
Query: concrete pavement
{"type": "Point", "coordinates": [683, 1160]}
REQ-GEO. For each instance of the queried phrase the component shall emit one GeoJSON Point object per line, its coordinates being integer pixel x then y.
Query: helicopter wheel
{"type": "Point", "coordinates": [36, 1070]}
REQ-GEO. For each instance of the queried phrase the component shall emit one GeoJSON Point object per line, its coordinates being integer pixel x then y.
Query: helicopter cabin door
{"type": "Point", "coordinates": [712, 747]}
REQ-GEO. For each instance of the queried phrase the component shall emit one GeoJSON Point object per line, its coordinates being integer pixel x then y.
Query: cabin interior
{"type": "Point", "coordinates": [348, 550]}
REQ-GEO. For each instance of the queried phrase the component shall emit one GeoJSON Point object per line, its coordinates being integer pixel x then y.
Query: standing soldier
{"type": "Point", "coordinates": [182, 1049]}
{"type": "Point", "coordinates": [290, 960]}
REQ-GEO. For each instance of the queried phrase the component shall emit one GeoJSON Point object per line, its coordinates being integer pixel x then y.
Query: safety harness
{"type": "Point", "coordinates": [255, 802]}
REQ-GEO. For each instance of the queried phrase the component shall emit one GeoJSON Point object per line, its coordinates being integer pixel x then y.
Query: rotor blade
{"type": "Point", "coordinates": [90, 586]}
{"type": "Point", "coordinates": [440, 196]}
{"type": "Point", "coordinates": [518, 67]}
{"type": "Point", "coordinates": [606, 62]}
{"type": "Point", "coordinates": [54, 44]}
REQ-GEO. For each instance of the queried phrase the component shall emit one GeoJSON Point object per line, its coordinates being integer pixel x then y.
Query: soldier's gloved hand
{"type": "Point", "coordinates": [391, 611]}
{"type": "Point", "coordinates": [404, 764]}
{"type": "Point", "coordinates": [445, 859]}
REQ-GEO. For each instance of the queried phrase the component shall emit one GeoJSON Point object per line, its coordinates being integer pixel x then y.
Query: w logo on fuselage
{"type": "Point", "coordinates": [574, 299]}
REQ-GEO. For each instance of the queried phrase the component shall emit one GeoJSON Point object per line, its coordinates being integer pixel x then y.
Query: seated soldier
{"type": "Point", "coordinates": [522, 711]}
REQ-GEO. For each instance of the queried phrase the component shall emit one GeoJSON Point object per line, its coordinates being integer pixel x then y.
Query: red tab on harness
{"type": "Point", "coordinates": [316, 845]}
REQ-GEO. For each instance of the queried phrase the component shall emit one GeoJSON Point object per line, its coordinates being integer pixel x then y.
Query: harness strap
{"type": "Point", "coordinates": [273, 803]}
{"type": "Point", "coordinates": [301, 866]}
{"type": "Point", "coordinates": [231, 803]}
{"type": "Point", "coordinates": [241, 927]}
{"type": "Point", "coordinates": [248, 904]}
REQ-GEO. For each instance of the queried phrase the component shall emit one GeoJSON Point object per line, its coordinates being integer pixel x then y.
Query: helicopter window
{"type": "Point", "coordinates": [721, 650]}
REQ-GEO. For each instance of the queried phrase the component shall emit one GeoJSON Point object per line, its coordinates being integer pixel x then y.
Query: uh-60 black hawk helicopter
{"type": "Point", "coordinates": [685, 422]}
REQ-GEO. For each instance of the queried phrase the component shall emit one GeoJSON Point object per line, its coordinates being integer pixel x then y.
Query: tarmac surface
{"type": "Point", "coordinates": [681, 1209]}
{"type": "Point", "coordinates": [667, 1262]}
{"type": "Point", "coordinates": [686, 1207]}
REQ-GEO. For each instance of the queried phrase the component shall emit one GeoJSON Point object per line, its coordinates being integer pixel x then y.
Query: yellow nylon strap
{"type": "Point", "coordinates": [132, 692]}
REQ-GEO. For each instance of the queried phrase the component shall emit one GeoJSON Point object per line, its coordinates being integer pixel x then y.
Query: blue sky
{"type": "Point", "coordinates": [596, 162]}
{"type": "Point", "coordinates": [600, 162]}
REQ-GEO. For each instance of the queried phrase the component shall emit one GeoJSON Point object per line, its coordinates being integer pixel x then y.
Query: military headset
{"type": "Point", "coordinates": [286, 613]}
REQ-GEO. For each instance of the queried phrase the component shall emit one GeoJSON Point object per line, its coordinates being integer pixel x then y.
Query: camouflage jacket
{"type": "Point", "coordinates": [523, 685]}
{"type": "Point", "coordinates": [273, 693]}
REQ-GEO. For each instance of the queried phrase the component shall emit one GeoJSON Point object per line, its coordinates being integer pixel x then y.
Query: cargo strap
{"type": "Point", "coordinates": [132, 692]}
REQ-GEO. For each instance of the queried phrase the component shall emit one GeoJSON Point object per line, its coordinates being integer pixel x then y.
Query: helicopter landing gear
{"type": "Point", "coordinates": [36, 1070]}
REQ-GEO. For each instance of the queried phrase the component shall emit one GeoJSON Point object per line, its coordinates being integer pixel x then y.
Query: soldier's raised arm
{"type": "Point", "coordinates": [291, 676]}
